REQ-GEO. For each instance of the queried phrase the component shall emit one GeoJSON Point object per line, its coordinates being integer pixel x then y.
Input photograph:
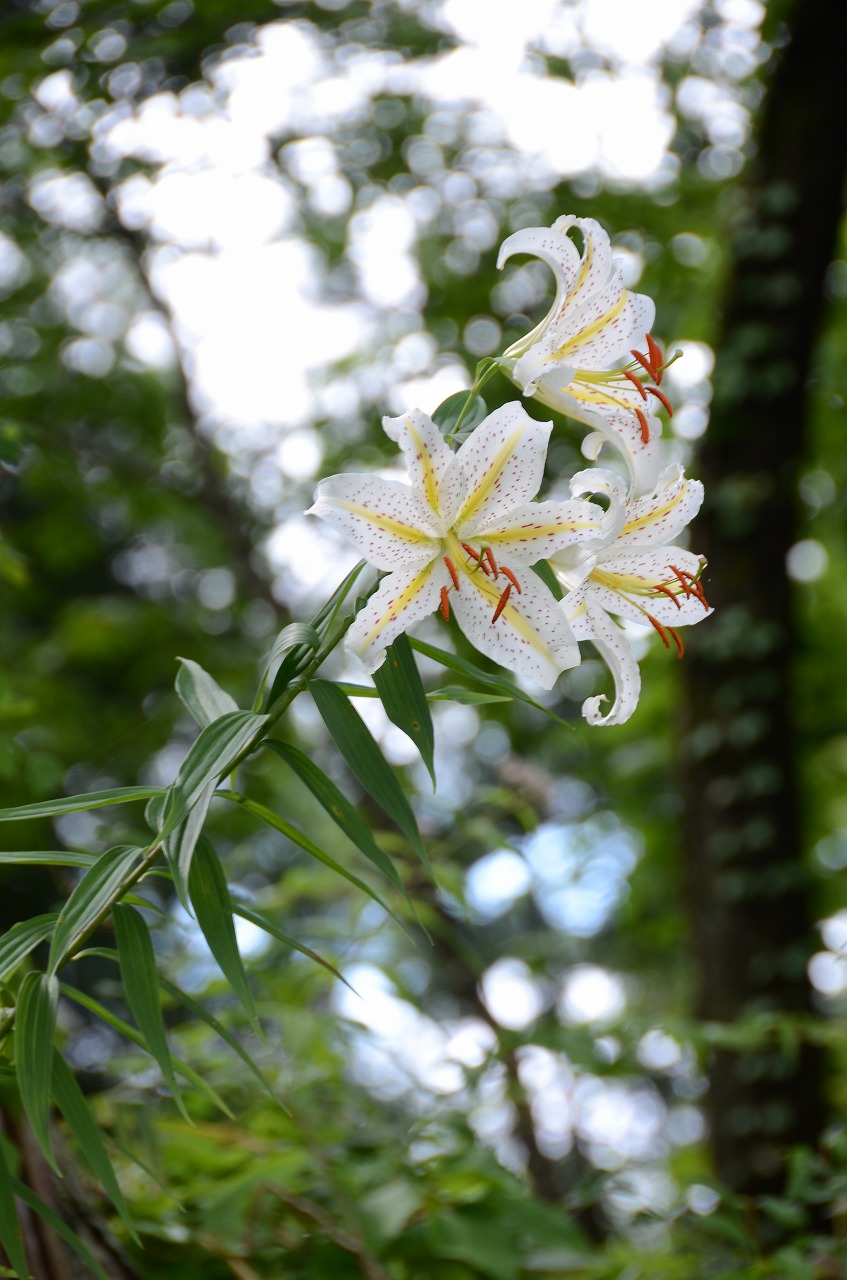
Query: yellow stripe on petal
{"type": "Point", "coordinates": [658, 513]}
{"type": "Point", "coordinates": [430, 475]}
{"type": "Point", "coordinates": [579, 339]}
{"type": "Point", "coordinates": [387, 523]}
{"type": "Point", "coordinates": [530, 533]}
{"type": "Point", "coordinates": [585, 267]}
{"type": "Point", "coordinates": [479, 494]}
{"type": "Point", "coordinates": [400, 603]}
{"type": "Point", "coordinates": [512, 616]}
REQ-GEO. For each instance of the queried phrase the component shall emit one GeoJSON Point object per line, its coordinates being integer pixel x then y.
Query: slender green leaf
{"type": "Point", "coordinates": [297, 837]}
{"type": "Point", "coordinates": [366, 761]}
{"type": "Point", "coordinates": [23, 937]}
{"type": "Point", "coordinates": [299, 636]}
{"type": "Point", "coordinates": [73, 1106]}
{"type": "Point", "coordinates": [201, 696]}
{"type": "Point", "coordinates": [10, 1228]}
{"type": "Point", "coordinates": [211, 1021]}
{"type": "Point", "coordinates": [129, 1033]}
{"type": "Point", "coordinates": [73, 804]}
{"type": "Point", "coordinates": [450, 410]}
{"type": "Point", "coordinates": [262, 923]}
{"type": "Point", "coordinates": [356, 690]}
{"type": "Point", "coordinates": [338, 807]}
{"type": "Point", "coordinates": [210, 757]}
{"type": "Point", "coordinates": [58, 1224]}
{"type": "Point", "coordinates": [94, 892]}
{"type": "Point", "coordinates": [48, 858]}
{"type": "Point", "coordinates": [141, 985]}
{"type": "Point", "coordinates": [404, 699]}
{"type": "Point", "coordinates": [210, 898]}
{"type": "Point", "coordinates": [179, 846]}
{"type": "Point", "coordinates": [497, 684]}
{"type": "Point", "coordinates": [469, 697]}
{"type": "Point", "coordinates": [293, 662]}
{"type": "Point", "coordinates": [35, 1028]}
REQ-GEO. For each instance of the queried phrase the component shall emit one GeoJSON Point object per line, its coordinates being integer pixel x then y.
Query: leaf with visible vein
{"type": "Point", "coordinates": [404, 699]}
{"type": "Point", "coordinates": [210, 758]}
{"type": "Point", "coordinates": [496, 683]}
{"type": "Point", "coordinates": [73, 1106]}
{"type": "Point", "coordinates": [262, 923]}
{"type": "Point", "coordinates": [35, 1028]}
{"type": "Point", "coordinates": [74, 804]}
{"type": "Point", "coordinates": [213, 908]}
{"type": "Point", "coordinates": [23, 937]}
{"type": "Point", "coordinates": [94, 891]}
{"type": "Point", "coordinates": [366, 761]}
{"type": "Point", "coordinates": [200, 694]}
{"type": "Point", "coordinates": [141, 986]}
{"type": "Point", "coordinates": [47, 858]}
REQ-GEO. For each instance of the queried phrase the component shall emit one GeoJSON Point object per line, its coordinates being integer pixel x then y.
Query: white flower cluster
{"type": "Point", "coordinates": [463, 534]}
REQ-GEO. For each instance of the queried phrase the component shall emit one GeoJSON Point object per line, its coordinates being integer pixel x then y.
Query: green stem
{"type": "Point", "coordinates": [477, 386]}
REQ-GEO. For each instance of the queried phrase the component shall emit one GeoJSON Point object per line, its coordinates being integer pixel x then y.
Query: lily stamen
{"type": "Point", "coordinates": [661, 397]}
{"type": "Point", "coordinates": [445, 604]}
{"type": "Point", "coordinates": [501, 603]}
{"type": "Point", "coordinates": [677, 639]}
{"type": "Point", "coordinates": [656, 357]}
{"type": "Point", "coordinates": [636, 382]}
{"type": "Point", "coordinates": [657, 626]}
{"type": "Point", "coordinates": [644, 424]}
{"type": "Point", "coordinates": [645, 364]}
{"type": "Point", "coordinates": [451, 569]}
{"type": "Point", "coordinates": [666, 591]}
{"type": "Point", "coordinates": [489, 555]}
{"type": "Point", "coordinates": [508, 574]}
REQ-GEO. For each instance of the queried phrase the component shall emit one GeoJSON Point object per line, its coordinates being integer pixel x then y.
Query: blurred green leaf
{"type": "Point", "coordinates": [61, 1228]}
{"type": "Point", "coordinates": [74, 804]}
{"type": "Point", "coordinates": [404, 699]}
{"type": "Point", "coordinates": [468, 697]}
{"type": "Point", "coordinates": [180, 844]}
{"type": "Point", "coordinates": [141, 986]}
{"type": "Point", "coordinates": [35, 1028]}
{"type": "Point", "coordinates": [23, 937]}
{"type": "Point", "coordinates": [450, 410]}
{"type": "Point", "coordinates": [93, 892]}
{"type": "Point", "coordinates": [73, 1106]}
{"type": "Point", "coordinates": [262, 923]}
{"type": "Point", "coordinates": [200, 694]}
{"type": "Point", "coordinates": [210, 899]}
{"type": "Point", "coordinates": [11, 1237]}
{"type": "Point", "coordinates": [339, 808]}
{"type": "Point", "coordinates": [366, 761]}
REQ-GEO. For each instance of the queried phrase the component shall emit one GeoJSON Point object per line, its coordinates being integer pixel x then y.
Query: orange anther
{"type": "Point", "coordinates": [677, 639]}
{"type": "Point", "coordinates": [451, 569]}
{"type": "Point", "coordinates": [656, 357]}
{"type": "Point", "coordinates": [644, 362]}
{"type": "Point", "coordinates": [636, 382]}
{"type": "Point", "coordinates": [489, 555]}
{"type": "Point", "coordinates": [445, 604]}
{"type": "Point", "coordinates": [645, 426]}
{"type": "Point", "coordinates": [666, 591]}
{"type": "Point", "coordinates": [501, 603]}
{"type": "Point", "coordinates": [663, 631]}
{"type": "Point", "coordinates": [683, 579]}
{"type": "Point", "coordinates": [468, 550]}
{"type": "Point", "coordinates": [508, 573]}
{"type": "Point", "coordinates": [660, 395]}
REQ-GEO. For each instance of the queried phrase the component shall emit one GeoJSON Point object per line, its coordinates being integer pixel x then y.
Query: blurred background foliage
{"type": "Point", "coordinates": [198, 200]}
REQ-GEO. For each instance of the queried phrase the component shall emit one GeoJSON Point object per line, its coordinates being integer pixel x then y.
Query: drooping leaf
{"type": "Point", "coordinates": [89, 899]}
{"type": "Point", "coordinates": [129, 1033]}
{"type": "Point", "coordinates": [297, 837]}
{"type": "Point", "coordinates": [200, 694]}
{"type": "Point", "coordinates": [297, 635]}
{"type": "Point", "coordinates": [210, 757]}
{"type": "Point", "coordinates": [366, 761]}
{"type": "Point", "coordinates": [141, 986]}
{"type": "Point", "coordinates": [75, 804]}
{"type": "Point", "coordinates": [59, 1225]}
{"type": "Point", "coordinates": [339, 808]}
{"type": "Point", "coordinates": [253, 916]}
{"type": "Point", "coordinates": [468, 697]}
{"type": "Point", "coordinates": [23, 937]}
{"type": "Point", "coordinates": [404, 699]}
{"type": "Point", "coordinates": [497, 684]}
{"type": "Point", "coordinates": [73, 1106]}
{"type": "Point", "coordinates": [179, 846]}
{"type": "Point", "coordinates": [210, 899]}
{"type": "Point", "coordinates": [10, 1228]}
{"type": "Point", "coordinates": [47, 858]}
{"type": "Point", "coordinates": [35, 1027]}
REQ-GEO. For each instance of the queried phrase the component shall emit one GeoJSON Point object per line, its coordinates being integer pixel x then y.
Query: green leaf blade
{"type": "Point", "coordinates": [141, 986]}
{"type": "Point", "coordinates": [210, 757]}
{"type": "Point", "coordinates": [34, 1031]}
{"type": "Point", "coordinates": [11, 1237]}
{"type": "Point", "coordinates": [75, 804]}
{"type": "Point", "coordinates": [23, 937]}
{"type": "Point", "coordinates": [94, 891]}
{"type": "Point", "coordinates": [73, 1106]}
{"type": "Point", "coordinates": [366, 761]}
{"type": "Point", "coordinates": [61, 1228]}
{"type": "Point", "coordinates": [404, 699]}
{"type": "Point", "coordinates": [213, 908]}
{"type": "Point", "coordinates": [200, 694]}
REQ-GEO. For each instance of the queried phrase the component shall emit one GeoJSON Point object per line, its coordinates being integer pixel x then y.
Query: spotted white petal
{"type": "Point", "coordinates": [622, 432]}
{"type": "Point", "coordinates": [639, 581]}
{"type": "Point", "coordinates": [531, 635]}
{"type": "Point", "coordinates": [596, 265]}
{"type": "Point", "coordinates": [537, 530]}
{"type": "Point", "coordinates": [663, 514]}
{"type": "Point", "coordinates": [590, 622]}
{"type": "Point", "coordinates": [430, 461]}
{"type": "Point", "coordinates": [631, 317]}
{"type": "Point", "coordinates": [502, 464]}
{"type": "Point", "coordinates": [389, 522]}
{"type": "Point", "coordinates": [404, 598]}
{"type": "Point", "coordinates": [561, 255]}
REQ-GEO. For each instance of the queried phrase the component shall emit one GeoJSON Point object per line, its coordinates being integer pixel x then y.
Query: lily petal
{"type": "Point", "coordinates": [561, 255]}
{"type": "Point", "coordinates": [430, 461]}
{"type": "Point", "coordinates": [623, 432]}
{"type": "Point", "coordinates": [626, 583]}
{"type": "Point", "coordinates": [664, 513]}
{"type": "Point", "coordinates": [389, 522]}
{"type": "Point", "coordinates": [531, 635]}
{"type": "Point", "coordinates": [404, 598]}
{"type": "Point", "coordinates": [595, 625]}
{"type": "Point", "coordinates": [537, 530]}
{"type": "Point", "coordinates": [502, 463]}
{"type": "Point", "coordinates": [596, 265]}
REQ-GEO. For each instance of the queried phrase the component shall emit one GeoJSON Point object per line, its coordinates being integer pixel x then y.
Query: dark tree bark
{"type": "Point", "coordinates": [748, 893]}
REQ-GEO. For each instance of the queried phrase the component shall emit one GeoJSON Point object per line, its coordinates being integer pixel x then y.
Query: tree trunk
{"type": "Point", "coordinates": [748, 891]}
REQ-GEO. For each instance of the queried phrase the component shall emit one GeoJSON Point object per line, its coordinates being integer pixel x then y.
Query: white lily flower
{"type": "Point", "coordinates": [637, 575]}
{"type": "Point", "coordinates": [582, 359]}
{"type": "Point", "coordinates": [462, 535]}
